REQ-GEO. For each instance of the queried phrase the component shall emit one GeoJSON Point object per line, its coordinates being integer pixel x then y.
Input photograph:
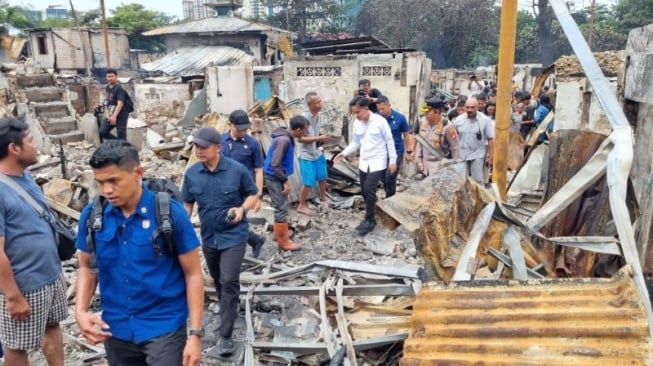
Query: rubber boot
{"type": "Point", "coordinates": [282, 237]}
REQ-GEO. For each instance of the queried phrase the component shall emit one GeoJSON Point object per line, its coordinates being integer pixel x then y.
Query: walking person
{"type": "Point", "coordinates": [243, 148]}
{"type": "Point", "coordinates": [118, 105]}
{"type": "Point", "coordinates": [32, 288]}
{"type": "Point", "coordinates": [373, 137]}
{"type": "Point", "coordinates": [224, 192]}
{"type": "Point", "coordinates": [440, 134]}
{"type": "Point", "coordinates": [399, 127]}
{"type": "Point", "coordinates": [147, 298]}
{"type": "Point", "coordinates": [476, 137]}
{"type": "Point", "coordinates": [277, 168]}
{"type": "Point", "coordinates": [312, 163]}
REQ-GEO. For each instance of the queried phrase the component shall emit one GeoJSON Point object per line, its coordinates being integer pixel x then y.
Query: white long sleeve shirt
{"type": "Point", "coordinates": [374, 139]}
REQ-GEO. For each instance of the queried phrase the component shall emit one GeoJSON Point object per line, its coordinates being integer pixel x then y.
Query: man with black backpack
{"type": "Point", "coordinates": [117, 106]}
{"type": "Point", "coordinates": [148, 267]}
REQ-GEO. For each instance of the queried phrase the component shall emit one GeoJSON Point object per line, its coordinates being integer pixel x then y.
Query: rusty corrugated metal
{"type": "Point", "coordinates": [190, 61]}
{"type": "Point", "coordinates": [221, 24]}
{"type": "Point", "coordinates": [548, 322]}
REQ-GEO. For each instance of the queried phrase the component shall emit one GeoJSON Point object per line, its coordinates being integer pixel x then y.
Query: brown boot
{"type": "Point", "coordinates": [282, 236]}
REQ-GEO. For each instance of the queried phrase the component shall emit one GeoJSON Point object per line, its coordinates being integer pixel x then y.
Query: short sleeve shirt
{"type": "Point", "coordinates": [143, 293]}
{"type": "Point", "coordinates": [246, 151]}
{"type": "Point", "coordinates": [469, 131]}
{"type": "Point", "coordinates": [29, 240]}
{"type": "Point", "coordinates": [398, 126]}
{"type": "Point", "coordinates": [215, 192]}
{"type": "Point", "coordinates": [309, 151]}
{"type": "Point", "coordinates": [113, 95]}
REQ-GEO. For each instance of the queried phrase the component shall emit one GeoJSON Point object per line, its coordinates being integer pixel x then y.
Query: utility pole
{"type": "Point", "coordinates": [81, 39]}
{"type": "Point", "coordinates": [507, 40]}
{"type": "Point", "coordinates": [591, 30]}
{"type": "Point", "coordinates": [105, 32]}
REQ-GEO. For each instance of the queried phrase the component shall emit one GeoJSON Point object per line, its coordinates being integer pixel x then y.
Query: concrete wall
{"type": "Point", "coordinates": [404, 78]}
{"type": "Point", "coordinates": [118, 49]}
{"type": "Point", "coordinates": [43, 60]}
{"type": "Point", "coordinates": [251, 43]}
{"type": "Point", "coordinates": [161, 99]}
{"type": "Point", "coordinates": [577, 107]}
{"type": "Point", "coordinates": [228, 88]}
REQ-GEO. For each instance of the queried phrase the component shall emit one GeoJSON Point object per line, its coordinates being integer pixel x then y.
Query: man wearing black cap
{"type": "Point", "coordinates": [439, 133]}
{"type": "Point", "coordinates": [399, 128]}
{"type": "Point", "coordinates": [243, 148]}
{"type": "Point", "coordinates": [224, 191]}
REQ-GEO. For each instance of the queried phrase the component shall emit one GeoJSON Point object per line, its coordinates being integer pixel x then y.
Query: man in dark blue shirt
{"type": "Point", "coordinates": [243, 148]}
{"type": "Point", "coordinates": [224, 192]}
{"type": "Point", "coordinates": [399, 127]}
{"type": "Point", "coordinates": [147, 297]}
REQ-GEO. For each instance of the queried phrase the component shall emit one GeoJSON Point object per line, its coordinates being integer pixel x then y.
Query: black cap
{"type": "Point", "coordinates": [206, 136]}
{"type": "Point", "coordinates": [240, 119]}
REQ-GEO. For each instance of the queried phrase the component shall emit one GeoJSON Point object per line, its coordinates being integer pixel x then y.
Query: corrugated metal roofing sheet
{"type": "Point", "coordinates": [189, 61]}
{"type": "Point", "coordinates": [547, 322]}
{"type": "Point", "coordinates": [221, 24]}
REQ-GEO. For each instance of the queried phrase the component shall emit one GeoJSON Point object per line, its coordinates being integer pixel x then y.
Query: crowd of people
{"type": "Point", "coordinates": [153, 300]}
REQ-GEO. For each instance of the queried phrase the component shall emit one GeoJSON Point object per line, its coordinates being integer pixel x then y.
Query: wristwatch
{"type": "Point", "coordinates": [196, 332]}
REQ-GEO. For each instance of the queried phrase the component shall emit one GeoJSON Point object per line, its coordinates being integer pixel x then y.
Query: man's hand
{"type": "Point", "coordinates": [409, 156]}
{"type": "Point", "coordinates": [18, 307]}
{"type": "Point", "coordinates": [324, 138]}
{"type": "Point", "coordinates": [338, 158]}
{"type": "Point", "coordinates": [286, 188]}
{"type": "Point", "coordinates": [392, 168]}
{"type": "Point", "coordinates": [237, 213]}
{"type": "Point", "coordinates": [420, 167]}
{"type": "Point", "coordinates": [488, 159]}
{"type": "Point", "coordinates": [257, 206]}
{"type": "Point", "coordinates": [192, 351]}
{"type": "Point", "coordinates": [92, 327]}
{"type": "Point", "coordinates": [112, 120]}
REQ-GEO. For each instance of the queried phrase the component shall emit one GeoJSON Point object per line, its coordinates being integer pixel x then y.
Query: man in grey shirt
{"type": "Point", "coordinates": [476, 134]}
{"type": "Point", "coordinates": [312, 163]}
{"type": "Point", "coordinates": [33, 291]}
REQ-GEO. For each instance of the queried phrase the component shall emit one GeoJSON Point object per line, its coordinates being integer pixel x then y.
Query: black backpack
{"type": "Point", "coordinates": [165, 190]}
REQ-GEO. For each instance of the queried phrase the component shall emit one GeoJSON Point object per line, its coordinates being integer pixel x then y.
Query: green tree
{"type": "Point", "coordinates": [136, 20]}
{"type": "Point", "coordinates": [304, 16]}
{"type": "Point", "coordinates": [12, 17]}
{"type": "Point", "coordinates": [633, 14]}
{"type": "Point", "coordinates": [526, 43]}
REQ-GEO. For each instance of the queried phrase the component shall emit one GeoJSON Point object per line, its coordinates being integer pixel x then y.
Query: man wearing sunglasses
{"type": "Point", "coordinates": [476, 135]}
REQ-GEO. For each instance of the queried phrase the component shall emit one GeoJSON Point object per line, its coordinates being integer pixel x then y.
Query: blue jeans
{"type": "Point", "coordinates": [120, 126]}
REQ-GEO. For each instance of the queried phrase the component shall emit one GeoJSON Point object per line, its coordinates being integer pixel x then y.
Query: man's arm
{"type": "Point", "coordinates": [192, 267]}
{"type": "Point", "coordinates": [490, 149]}
{"type": "Point", "coordinates": [189, 208]}
{"type": "Point", "coordinates": [258, 179]}
{"type": "Point", "coordinates": [17, 305]}
{"type": "Point", "coordinates": [90, 325]}
{"type": "Point", "coordinates": [311, 139]}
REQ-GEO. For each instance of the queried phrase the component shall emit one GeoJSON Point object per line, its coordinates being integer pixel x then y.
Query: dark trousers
{"type": "Point", "coordinates": [224, 267]}
{"type": "Point", "coordinates": [390, 182]}
{"type": "Point", "coordinates": [279, 200]}
{"type": "Point", "coordinates": [120, 126]}
{"type": "Point", "coordinates": [369, 183]}
{"type": "Point", "coordinates": [164, 350]}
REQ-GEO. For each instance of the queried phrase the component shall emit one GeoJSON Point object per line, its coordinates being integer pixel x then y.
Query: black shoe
{"type": "Point", "coordinates": [365, 227]}
{"type": "Point", "coordinates": [226, 347]}
{"type": "Point", "coordinates": [257, 244]}
{"type": "Point", "coordinates": [360, 225]}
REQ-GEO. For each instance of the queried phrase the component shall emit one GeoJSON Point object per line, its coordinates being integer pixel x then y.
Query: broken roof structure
{"type": "Point", "coordinates": [191, 61]}
{"type": "Point", "coordinates": [364, 44]}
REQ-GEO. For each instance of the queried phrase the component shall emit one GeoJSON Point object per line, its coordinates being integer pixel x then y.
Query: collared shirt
{"type": "Point", "coordinates": [398, 126]}
{"type": "Point", "coordinates": [374, 138]}
{"type": "Point", "coordinates": [143, 294]}
{"type": "Point", "coordinates": [309, 151]}
{"type": "Point", "coordinates": [246, 151]}
{"type": "Point", "coordinates": [469, 131]}
{"type": "Point", "coordinates": [433, 135]}
{"type": "Point", "coordinates": [29, 241]}
{"type": "Point", "coordinates": [215, 192]}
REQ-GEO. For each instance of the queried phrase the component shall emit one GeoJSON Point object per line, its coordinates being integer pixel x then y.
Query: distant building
{"type": "Point", "coordinates": [53, 12]}
{"type": "Point", "coordinates": [195, 9]}
{"type": "Point", "coordinates": [255, 9]}
{"type": "Point", "coordinates": [34, 15]}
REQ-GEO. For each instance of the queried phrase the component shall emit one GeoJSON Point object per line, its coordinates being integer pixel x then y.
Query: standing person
{"type": "Point", "coordinates": [312, 163]}
{"type": "Point", "coordinates": [224, 192]}
{"type": "Point", "coordinates": [243, 148]}
{"type": "Point", "coordinates": [373, 137]}
{"type": "Point", "coordinates": [372, 94]}
{"type": "Point", "coordinates": [32, 288]}
{"type": "Point", "coordinates": [475, 86]}
{"type": "Point", "coordinates": [399, 128]}
{"type": "Point", "coordinates": [517, 116]}
{"type": "Point", "coordinates": [118, 105]}
{"type": "Point", "coordinates": [277, 168]}
{"type": "Point", "coordinates": [476, 139]}
{"type": "Point", "coordinates": [147, 299]}
{"type": "Point", "coordinates": [440, 134]}
{"type": "Point", "coordinates": [528, 122]}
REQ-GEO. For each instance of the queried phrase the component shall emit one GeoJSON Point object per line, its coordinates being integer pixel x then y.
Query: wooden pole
{"type": "Point", "coordinates": [591, 30]}
{"type": "Point", "coordinates": [504, 94]}
{"type": "Point", "coordinates": [81, 39]}
{"type": "Point", "coordinates": [105, 32]}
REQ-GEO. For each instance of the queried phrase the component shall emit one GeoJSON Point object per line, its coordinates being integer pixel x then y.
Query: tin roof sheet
{"type": "Point", "coordinates": [190, 61]}
{"type": "Point", "coordinates": [220, 24]}
{"type": "Point", "coordinates": [545, 322]}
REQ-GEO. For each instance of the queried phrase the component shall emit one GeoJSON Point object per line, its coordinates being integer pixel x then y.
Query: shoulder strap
{"type": "Point", "coordinates": [164, 224]}
{"type": "Point", "coordinates": [93, 224]}
{"type": "Point", "coordinates": [23, 193]}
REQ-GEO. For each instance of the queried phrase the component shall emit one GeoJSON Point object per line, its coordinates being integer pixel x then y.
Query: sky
{"type": "Point", "coordinates": [171, 7]}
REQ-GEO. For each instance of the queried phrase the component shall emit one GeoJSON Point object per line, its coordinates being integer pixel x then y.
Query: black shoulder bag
{"type": "Point", "coordinates": [63, 233]}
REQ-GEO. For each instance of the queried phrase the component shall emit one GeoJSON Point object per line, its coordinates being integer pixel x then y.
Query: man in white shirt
{"type": "Point", "coordinates": [476, 136]}
{"type": "Point", "coordinates": [373, 137]}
